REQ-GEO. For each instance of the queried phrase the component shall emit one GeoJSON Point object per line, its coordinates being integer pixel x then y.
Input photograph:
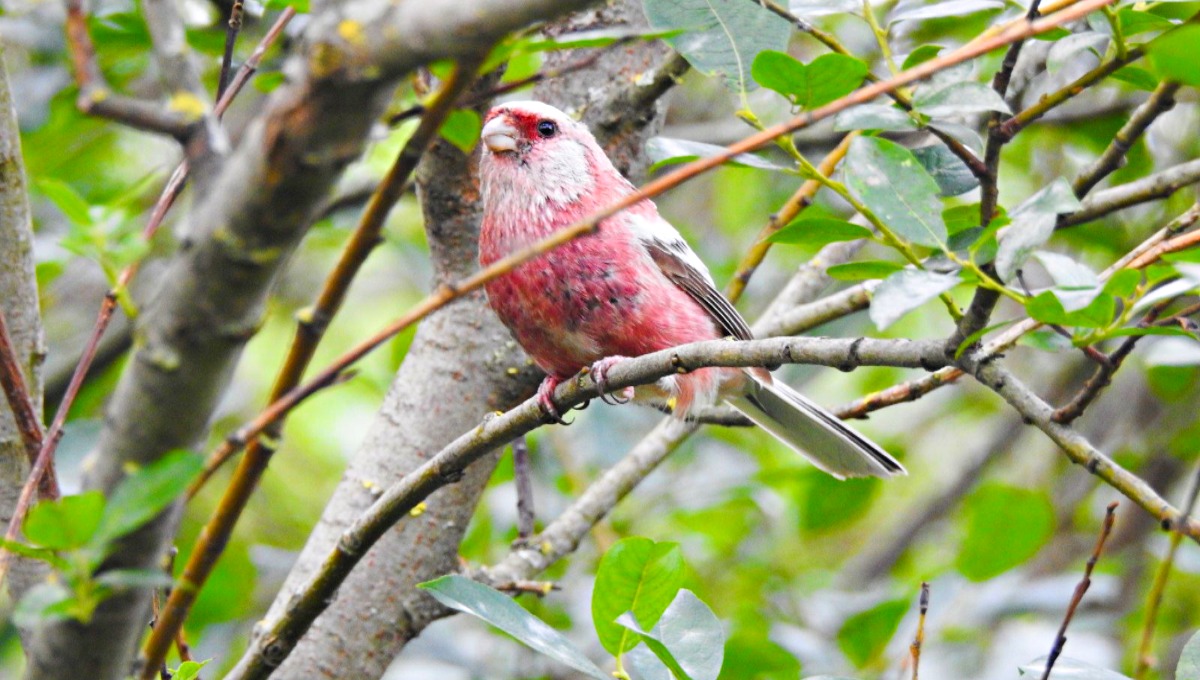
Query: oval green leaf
{"type": "Point", "coordinates": [474, 598]}
{"type": "Point", "coordinates": [635, 575]}
{"type": "Point", "coordinates": [893, 184]}
{"type": "Point", "coordinates": [1004, 526]}
{"type": "Point", "coordinates": [818, 231]}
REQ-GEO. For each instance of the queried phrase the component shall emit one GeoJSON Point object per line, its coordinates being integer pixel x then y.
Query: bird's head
{"type": "Point", "coordinates": [533, 151]}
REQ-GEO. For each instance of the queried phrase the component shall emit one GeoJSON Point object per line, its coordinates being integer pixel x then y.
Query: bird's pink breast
{"type": "Point", "coordinates": [597, 296]}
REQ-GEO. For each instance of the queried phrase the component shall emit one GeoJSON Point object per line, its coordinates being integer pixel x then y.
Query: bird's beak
{"type": "Point", "coordinates": [499, 135]}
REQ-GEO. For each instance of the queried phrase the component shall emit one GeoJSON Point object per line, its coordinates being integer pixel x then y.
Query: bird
{"type": "Point", "coordinates": [631, 287]}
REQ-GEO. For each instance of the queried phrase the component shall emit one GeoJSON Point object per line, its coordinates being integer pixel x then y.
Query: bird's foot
{"type": "Point", "coordinates": [545, 397]}
{"type": "Point", "coordinates": [599, 371]}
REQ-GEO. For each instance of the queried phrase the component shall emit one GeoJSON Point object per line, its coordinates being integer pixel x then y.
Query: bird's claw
{"type": "Point", "coordinates": [545, 398]}
{"type": "Point", "coordinates": [599, 371]}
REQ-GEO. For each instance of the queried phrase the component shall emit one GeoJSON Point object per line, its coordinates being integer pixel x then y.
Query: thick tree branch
{"type": "Point", "coordinates": [19, 307]}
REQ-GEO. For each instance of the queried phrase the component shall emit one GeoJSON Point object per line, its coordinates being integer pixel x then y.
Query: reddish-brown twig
{"type": "Point", "coordinates": [29, 425]}
{"type": "Point", "coordinates": [1061, 639]}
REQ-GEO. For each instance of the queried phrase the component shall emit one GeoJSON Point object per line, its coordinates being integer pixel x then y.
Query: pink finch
{"type": "Point", "coordinates": [632, 287]}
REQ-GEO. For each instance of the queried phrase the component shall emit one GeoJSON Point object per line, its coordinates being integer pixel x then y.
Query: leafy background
{"type": "Point", "coordinates": [805, 574]}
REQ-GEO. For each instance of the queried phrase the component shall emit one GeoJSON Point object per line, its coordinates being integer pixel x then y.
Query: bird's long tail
{"type": "Point", "coordinates": [812, 431]}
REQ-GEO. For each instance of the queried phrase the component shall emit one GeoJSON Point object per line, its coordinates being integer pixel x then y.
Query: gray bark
{"type": "Point", "coordinates": [19, 303]}
{"type": "Point", "coordinates": [249, 215]}
{"type": "Point", "coordinates": [457, 370]}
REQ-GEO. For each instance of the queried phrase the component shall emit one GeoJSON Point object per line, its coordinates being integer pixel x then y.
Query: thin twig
{"type": "Point", "coordinates": [231, 33]}
{"type": "Point", "coordinates": [29, 425]}
{"type": "Point", "coordinates": [1061, 639]}
{"type": "Point", "coordinates": [1160, 101]}
{"type": "Point", "coordinates": [522, 473]}
{"type": "Point", "coordinates": [915, 648]}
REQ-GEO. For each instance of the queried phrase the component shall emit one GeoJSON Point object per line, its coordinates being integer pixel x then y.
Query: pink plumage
{"type": "Point", "coordinates": [631, 288]}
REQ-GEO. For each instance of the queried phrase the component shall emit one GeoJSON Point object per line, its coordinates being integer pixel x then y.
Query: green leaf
{"type": "Point", "coordinates": [1033, 223]}
{"type": "Point", "coordinates": [461, 128]}
{"type": "Point", "coordinates": [952, 175]}
{"type": "Point", "coordinates": [688, 638]}
{"type": "Point", "coordinates": [67, 523]}
{"type": "Point", "coordinates": [301, 6]}
{"type": "Point", "coordinates": [893, 184]}
{"type": "Point", "coordinates": [961, 217]}
{"type": "Point", "coordinates": [862, 271]}
{"type": "Point", "coordinates": [864, 635]}
{"type": "Point", "coordinates": [959, 98]}
{"type": "Point", "coordinates": [720, 37]}
{"type": "Point", "coordinates": [1004, 526]}
{"type": "Point", "coordinates": [1066, 668]}
{"type": "Point", "coordinates": [1173, 54]}
{"type": "Point", "coordinates": [67, 200]}
{"type": "Point", "coordinates": [831, 503]}
{"type": "Point", "coordinates": [921, 55]}
{"type": "Point", "coordinates": [874, 117]}
{"type": "Point", "coordinates": [637, 575]}
{"type": "Point", "coordinates": [1064, 51]}
{"type": "Point", "coordinates": [1048, 307]}
{"type": "Point", "coordinates": [664, 151]}
{"type": "Point", "coordinates": [1134, 22]}
{"type": "Point", "coordinates": [470, 597]}
{"type": "Point", "coordinates": [1189, 660]}
{"type": "Point", "coordinates": [828, 77]}
{"type": "Point", "coordinates": [818, 232]}
{"type": "Point", "coordinates": [1137, 77]}
{"type": "Point", "coordinates": [906, 290]}
{"type": "Point", "coordinates": [521, 66]}
{"type": "Point", "coordinates": [269, 80]}
{"type": "Point", "coordinates": [147, 492]}
{"type": "Point", "coordinates": [189, 670]}
{"type": "Point", "coordinates": [781, 72]}
{"type": "Point", "coordinates": [31, 551]}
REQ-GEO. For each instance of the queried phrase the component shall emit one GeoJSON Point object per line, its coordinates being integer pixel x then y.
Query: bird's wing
{"type": "Point", "coordinates": [680, 264]}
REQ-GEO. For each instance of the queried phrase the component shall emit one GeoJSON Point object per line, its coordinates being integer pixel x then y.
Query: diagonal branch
{"type": "Point", "coordinates": [447, 466]}
{"type": "Point", "coordinates": [1077, 448]}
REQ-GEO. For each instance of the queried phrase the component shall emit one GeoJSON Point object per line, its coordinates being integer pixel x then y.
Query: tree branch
{"type": "Point", "coordinates": [1077, 448]}
{"type": "Point", "coordinates": [19, 307]}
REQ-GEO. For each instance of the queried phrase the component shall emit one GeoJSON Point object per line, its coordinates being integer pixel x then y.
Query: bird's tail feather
{"type": "Point", "coordinates": [812, 431]}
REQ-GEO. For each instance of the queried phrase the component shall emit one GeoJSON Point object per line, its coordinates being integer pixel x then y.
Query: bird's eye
{"type": "Point", "coordinates": [547, 128]}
